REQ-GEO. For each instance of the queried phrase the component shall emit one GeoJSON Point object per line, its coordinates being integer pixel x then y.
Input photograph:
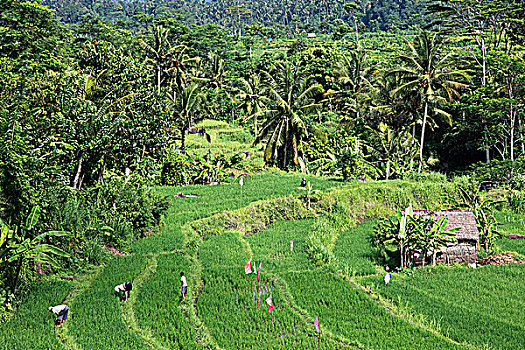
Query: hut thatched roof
{"type": "Point", "coordinates": [462, 219]}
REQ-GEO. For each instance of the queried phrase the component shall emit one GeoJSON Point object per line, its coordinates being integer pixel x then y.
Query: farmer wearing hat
{"type": "Point", "coordinates": [123, 290]}
{"type": "Point", "coordinates": [61, 311]}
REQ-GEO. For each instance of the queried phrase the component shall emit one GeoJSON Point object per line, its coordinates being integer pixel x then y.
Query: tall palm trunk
{"type": "Point", "coordinates": [183, 140]}
{"type": "Point", "coordinates": [158, 79]}
{"type": "Point", "coordinates": [422, 137]}
{"type": "Point", "coordinates": [286, 143]}
{"type": "Point", "coordinates": [76, 180]}
{"type": "Point", "coordinates": [402, 254]}
{"type": "Point", "coordinates": [255, 125]}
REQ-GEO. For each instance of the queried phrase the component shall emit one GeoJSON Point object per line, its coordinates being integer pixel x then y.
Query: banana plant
{"type": "Point", "coordinates": [17, 246]}
{"type": "Point", "coordinates": [433, 235]}
{"type": "Point", "coordinates": [397, 232]}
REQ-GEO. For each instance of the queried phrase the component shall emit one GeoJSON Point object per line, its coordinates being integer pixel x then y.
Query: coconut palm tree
{"type": "Point", "coordinates": [187, 106]}
{"type": "Point", "coordinates": [427, 70]}
{"type": "Point", "coordinates": [160, 52]}
{"type": "Point", "coordinates": [291, 97]}
{"type": "Point", "coordinates": [182, 67]}
{"type": "Point", "coordinates": [212, 74]}
{"type": "Point", "coordinates": [253, 101]}
{"type": "Point", "coordinates": [356, 76]}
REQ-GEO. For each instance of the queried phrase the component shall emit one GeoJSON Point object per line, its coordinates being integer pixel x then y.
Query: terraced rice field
{"type": "Point", "coordinates": [448, 308]}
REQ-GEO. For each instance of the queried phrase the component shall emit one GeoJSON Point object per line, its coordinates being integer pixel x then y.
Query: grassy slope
{"type": "Point", "coordinates": [32, 326]}
{"type": "Point", "coordinates": [95, 313]}
{"type": "Point", "coordinates": [510, 223]}
{"type": "Point", "coordinates": [96, 316]}
{"type": "Point", "coordinates": [353, 250]}
{"type": "Point", "coordinates": [96, 319]}
{"type": "Point", "coordinates": [483, 307]}
{"type": "Point", "coordinates": [210, 199]}
{"type": "Point", "coordinates": [158, 304]}
{"type": "Point", "coordinates": [319, 291]}
{"type": "Point", "coordinates": [229, 141]}
{"type": "Point", "coordinates": [229, 304]}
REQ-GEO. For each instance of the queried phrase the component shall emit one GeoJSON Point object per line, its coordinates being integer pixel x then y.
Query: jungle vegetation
{"type": "Point", "coordinates": [98, 100]}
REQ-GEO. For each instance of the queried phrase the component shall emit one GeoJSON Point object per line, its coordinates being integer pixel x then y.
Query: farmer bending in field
{"type": "Point", "coordinates": [61, 311]}
{"type": "Point", "coordinates": [183, 285]}
{"type": "Point", "coordinates": [123, 290]}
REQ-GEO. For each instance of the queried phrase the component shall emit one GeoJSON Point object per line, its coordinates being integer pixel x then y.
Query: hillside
{"type": "Point", "coordinates": [290, 17]}
{"type": "Point", "coordinates": [419, 311]}
{"type": "Point", "coordinates": [141, 139]}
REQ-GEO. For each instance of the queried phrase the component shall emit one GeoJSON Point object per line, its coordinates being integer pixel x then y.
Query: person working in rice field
{"type": "Point", "coordinates": [183, 285]}
{"type": "Point", "coordinates": [123, 290]}
{"type": "Point", "coordinates": [61, 311]}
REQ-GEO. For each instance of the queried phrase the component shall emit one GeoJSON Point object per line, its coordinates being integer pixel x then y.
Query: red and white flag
{"type": "Point", "coordinates": [259, 271]}
{"type": "Point", "coordinates": [316, 323]}
{"type": "Point", "coordinates": [269, 302]}
{"type": "Point", "coordinates": [248, 266]}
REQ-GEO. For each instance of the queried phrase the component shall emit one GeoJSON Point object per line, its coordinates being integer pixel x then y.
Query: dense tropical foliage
{"type": "Point", "coordinates": [104, 102]}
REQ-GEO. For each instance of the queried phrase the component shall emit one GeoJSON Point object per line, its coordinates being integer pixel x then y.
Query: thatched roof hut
{"type": "Point", "coordinates": [468, 236]}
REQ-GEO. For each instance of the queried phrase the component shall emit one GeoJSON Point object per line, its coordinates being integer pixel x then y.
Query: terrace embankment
{"type": "Point", "coordinates": [96, 316]}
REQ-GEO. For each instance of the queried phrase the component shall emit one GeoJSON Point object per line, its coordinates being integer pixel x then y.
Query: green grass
{"type": "Point", "coordinates": [96, 320]}
{"type": "Point", "coordinates": [353, 250]}
{"type": "Point", "coordinates": [345, 310]}
{"type": "Point", "coordinates": [229, 302]}
{"type": "Point", "coordinates": [209, 200]}
{"type": "Point", "coordinates": [237, 320]}
{"type": "Point", "coordinates": [510, 223]}
{"type": "Point", "coordinates": [384, 198]}
{"type": "Point", "coordinates": [158, 304]}
{"type": "Point", "coordinates": [212, 199]}
{"type": "Point", "coordinates": [224, 250]}
{"type": "Point", "coordinates": [512, 245]}
{"type": "Point", "coordinates": [482, 307]}
{"type": "Point", "coordinates": [273, 245]}
{"type": "Point", "coordinates": [33, 325]}
{"type": "Point", "coordinates": [461, 302]}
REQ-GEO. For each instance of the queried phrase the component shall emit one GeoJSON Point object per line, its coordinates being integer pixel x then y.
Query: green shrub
{"type": "Point", "coordinates": [517, 202]}
{"type": "Point", "coordinates": [212, 124]}
{"type": "Point", "coordinates": [501, 172]}
{"type": "Point", "coordinates": [179, 169]}
{"type": "Point", "coordinates": [517, 182]}
{"type": "Point", "coordinates": [236, 158]}
{"type": "Point", "coordinates": [243, 136]}
{"type": "Point", "coordinates": [431, 176]}
{"type": "Point", "coordinates": [351, 164]}
{"type": "Point", "coordinates": [174, 170]}
{"type": "Point", "coordinates": [93, 251]}
{"type": "Point", "coordinates": [324, 234]}
{"type": "Point", "coordinates": [117, 212]}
